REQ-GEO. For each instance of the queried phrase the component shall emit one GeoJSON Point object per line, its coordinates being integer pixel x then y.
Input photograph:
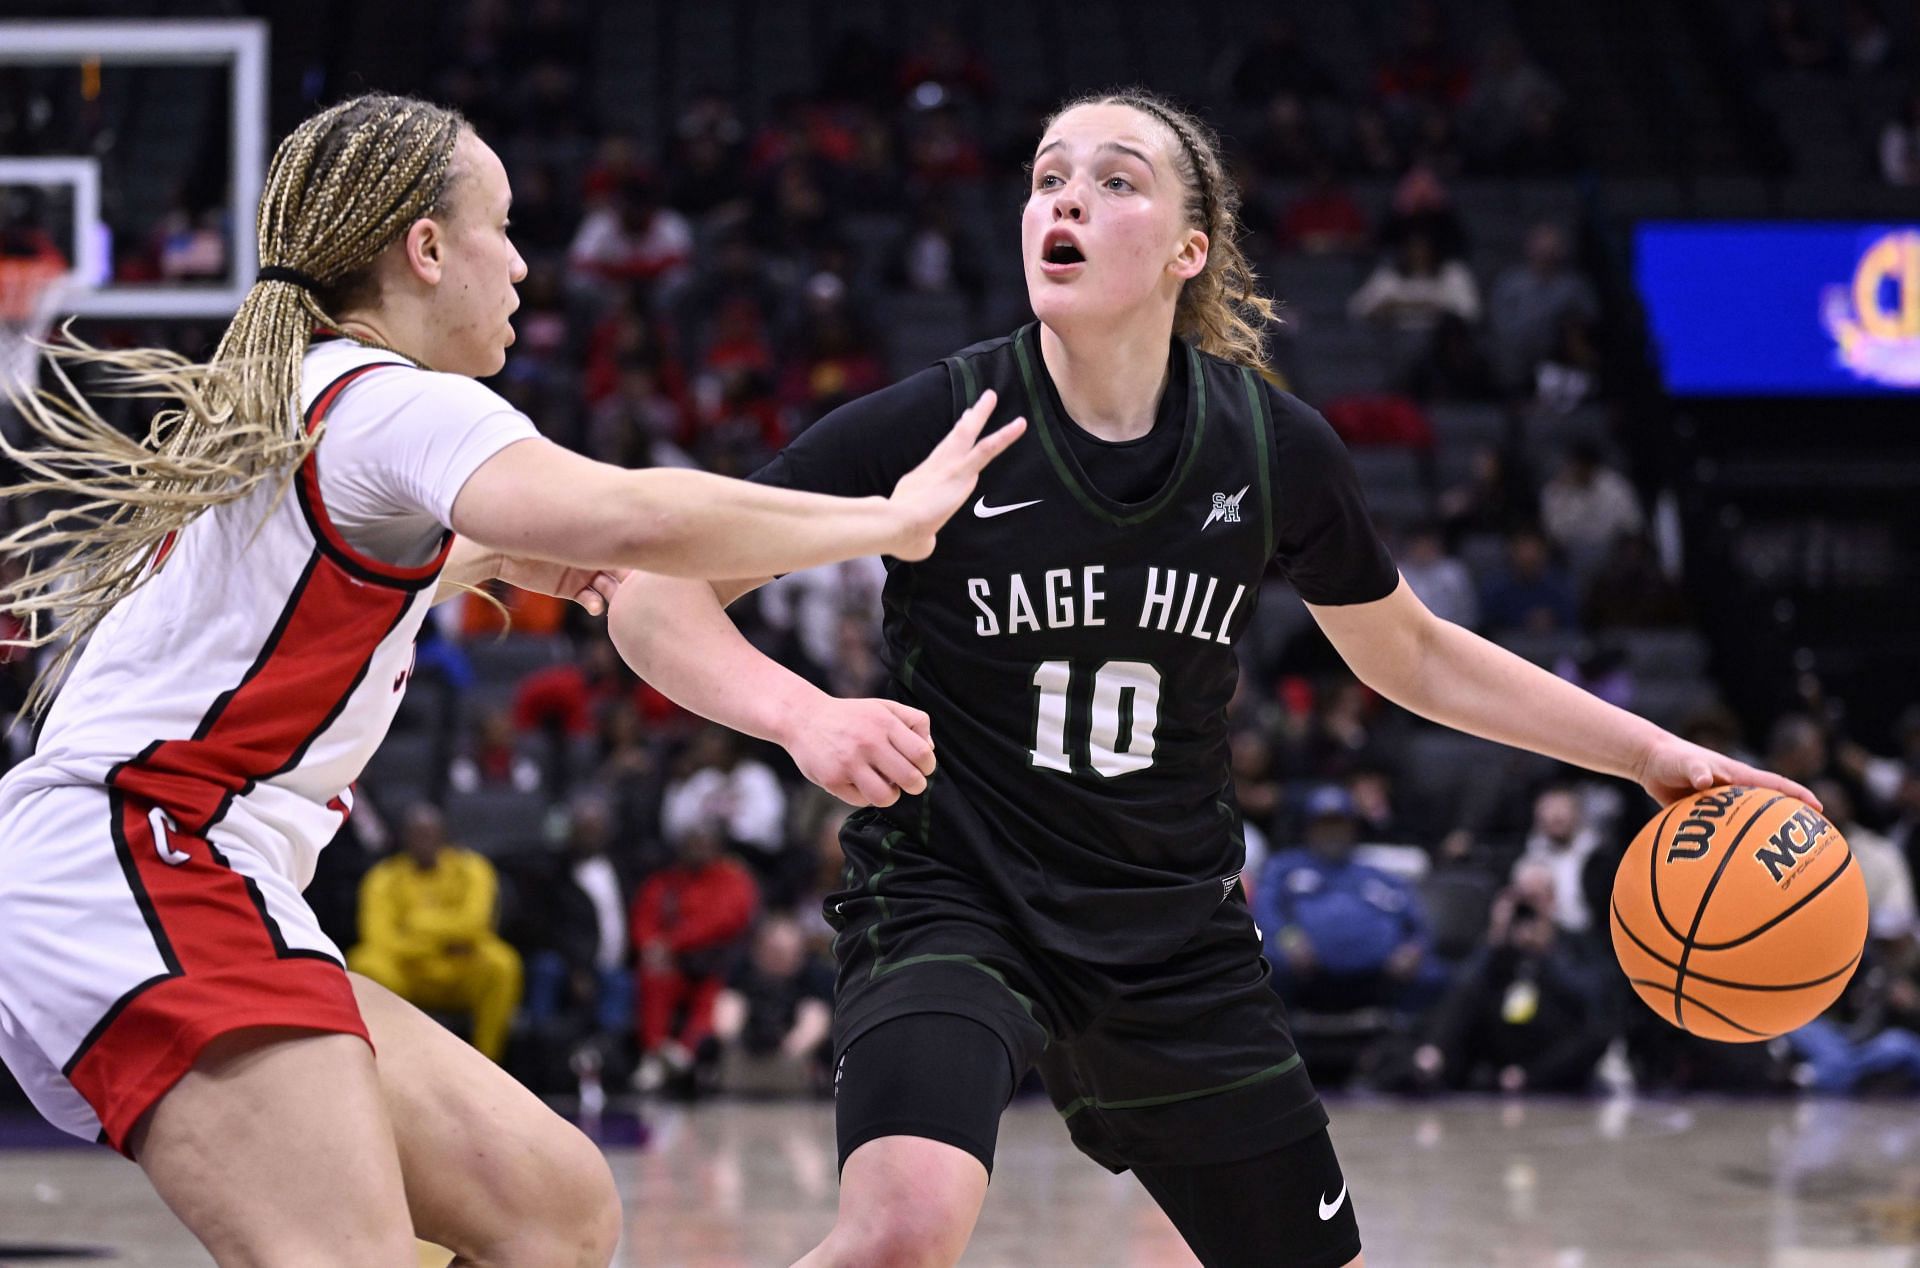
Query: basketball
{"type": "Point", "coordinates": [1739, 914]}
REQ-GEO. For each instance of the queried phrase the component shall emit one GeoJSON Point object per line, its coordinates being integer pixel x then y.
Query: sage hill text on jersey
{"type": "Point", "coordinates": [1067, 601]}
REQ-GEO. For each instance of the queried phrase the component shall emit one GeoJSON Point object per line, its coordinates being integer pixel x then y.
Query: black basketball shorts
{"type": "Point", "coordinates": [1180, 1062]}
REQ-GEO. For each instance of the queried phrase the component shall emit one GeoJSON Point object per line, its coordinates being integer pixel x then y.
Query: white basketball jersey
{"type": "Point", "coordinates": [248, 682]}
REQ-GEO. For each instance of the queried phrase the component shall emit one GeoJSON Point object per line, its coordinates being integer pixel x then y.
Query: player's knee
{"type": "Point", "coordinates": [569, 1218]}
{"type": "Point", "coordinates": [596, 1199]}
{"type": "Point", "coordinates": [930, 1236]}
{"type": "Point", "coordinates": [592, 1233]}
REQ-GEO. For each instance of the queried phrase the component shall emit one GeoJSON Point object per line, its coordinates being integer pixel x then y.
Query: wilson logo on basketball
{"type": "Point", "coordinates": [1695, 833]}
{"type": "Point", "coordinates": [1790, 840]}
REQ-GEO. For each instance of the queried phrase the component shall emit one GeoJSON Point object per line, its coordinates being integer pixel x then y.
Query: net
{"type": "Point", "coordinates": [30, 290]}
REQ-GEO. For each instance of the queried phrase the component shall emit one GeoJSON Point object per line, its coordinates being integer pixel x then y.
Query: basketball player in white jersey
{"type": "Point", "coordinates": [250, 598]}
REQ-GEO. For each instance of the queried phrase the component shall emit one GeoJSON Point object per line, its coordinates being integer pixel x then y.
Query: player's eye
{"type": "Point", "coordinates": [1041, 183]}
{"type": "Point", "coordinates": [1120, 181]}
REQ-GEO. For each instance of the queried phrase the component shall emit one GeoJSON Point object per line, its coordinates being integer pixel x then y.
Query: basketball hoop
{"type": "Point", "coordinates": [31, 287]}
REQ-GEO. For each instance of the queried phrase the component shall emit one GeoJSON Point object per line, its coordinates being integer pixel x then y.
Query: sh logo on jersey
{"type": "Point", "coordinates": [1226, 508]}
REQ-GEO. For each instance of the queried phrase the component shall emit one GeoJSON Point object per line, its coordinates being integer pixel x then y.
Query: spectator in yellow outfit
{"type": "Point", "coordinates": [426, 931]}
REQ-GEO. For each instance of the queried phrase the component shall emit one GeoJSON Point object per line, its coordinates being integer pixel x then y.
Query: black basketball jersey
{"type": "Point", "coordinates": [1076, 653]}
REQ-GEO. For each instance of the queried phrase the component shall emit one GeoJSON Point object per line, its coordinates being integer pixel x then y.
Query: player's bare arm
{"type": "Point", "coordinates": [676, 634]}
{"type": "Point", "coordinates": [536, 500]}
{"type": "Point", "coordinates": [1452, 676]}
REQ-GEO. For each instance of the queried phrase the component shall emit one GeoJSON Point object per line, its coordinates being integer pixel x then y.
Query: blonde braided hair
{"type": "Point", "coordinates": [1221, 310]}
{"type": "Point", "coordinates": [343, 188]}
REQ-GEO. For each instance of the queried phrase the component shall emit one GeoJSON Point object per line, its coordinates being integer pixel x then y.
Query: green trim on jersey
{"type": "Point", "coordinates": [934, 957]}
{"type": "Point", "coordinates": [1262, 424]}
{"type": "Point", "coordinates": [1063, 463]}
{"type": "Point", "coordinates": [881, 965]}
{"type": "Point", "coordinates": [915, 646]}
{"type": "Point", "coordinates": [968, 385]}
{"type": "Point", "coordinates": [1148, 1102]}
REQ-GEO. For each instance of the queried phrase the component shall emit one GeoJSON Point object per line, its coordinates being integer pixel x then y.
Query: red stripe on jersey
{"type": "Point", "coordinates": [165, 548]}
{"type": "Point", "coordinates": [214, 917]}
{"type": "Point", "coordinates": [311, 663]}
{"type": "Point", "coordinates": [315, 509]}
{"type": "Point", "coordinates": [341, 609]}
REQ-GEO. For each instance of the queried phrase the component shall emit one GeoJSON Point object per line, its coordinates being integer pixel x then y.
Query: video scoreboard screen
{"type": "Point", "coordinates": [1771, 308]}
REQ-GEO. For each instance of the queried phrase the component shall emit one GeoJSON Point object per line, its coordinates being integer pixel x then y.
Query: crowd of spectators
{"type": "Point", "coordinates": [698, 299]}
{"type": "Point", "coordinates": [1852, 48]}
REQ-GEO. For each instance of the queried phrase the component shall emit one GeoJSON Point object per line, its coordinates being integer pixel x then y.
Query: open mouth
{"type": "Point", "coordinates": [1059, 252]}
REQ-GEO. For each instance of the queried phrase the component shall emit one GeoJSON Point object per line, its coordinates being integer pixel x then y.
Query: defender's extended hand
{"type": "Point", "coordinates": [930, 493]}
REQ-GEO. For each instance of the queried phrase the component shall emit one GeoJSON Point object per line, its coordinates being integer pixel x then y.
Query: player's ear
{"type": "Point", "coordinates": [425, 247]}
{"type": "Point", "coordinates": [1192, 259]}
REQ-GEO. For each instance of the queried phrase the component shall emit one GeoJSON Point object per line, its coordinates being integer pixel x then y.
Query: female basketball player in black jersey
{"type": "Point", "coordinates": [1062, 891]}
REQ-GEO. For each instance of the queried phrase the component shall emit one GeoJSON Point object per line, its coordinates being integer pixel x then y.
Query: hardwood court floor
{"type": "Point", "coordinates": [1473, 1183]}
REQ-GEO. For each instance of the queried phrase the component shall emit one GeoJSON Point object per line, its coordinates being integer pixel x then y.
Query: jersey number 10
{"type": "Point", "coordinates": [1120, 718]}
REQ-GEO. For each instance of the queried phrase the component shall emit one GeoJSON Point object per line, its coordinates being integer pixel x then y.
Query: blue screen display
{"type": "Point", "coordinates": [1777, 309]}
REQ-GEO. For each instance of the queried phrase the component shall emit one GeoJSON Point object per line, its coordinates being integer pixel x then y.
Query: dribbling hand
{"type": "Point", "coordinates": [928, 495]}
{"type": "Point", "coordinates": [1673, 768]}
{"type": "Point", "coordinates": [865, 752]}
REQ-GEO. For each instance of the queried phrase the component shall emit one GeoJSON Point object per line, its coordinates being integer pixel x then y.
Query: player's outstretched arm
{"type": "Point", "coordinates": [1454, 677]}
{"type": "Point", "coordinates": [677, 635]}
{"type": "Point", "coordinates": [536, 500]}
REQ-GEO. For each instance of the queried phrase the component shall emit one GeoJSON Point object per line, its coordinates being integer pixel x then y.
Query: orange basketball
{"type": "Point", "coordinates": [1739, 914]}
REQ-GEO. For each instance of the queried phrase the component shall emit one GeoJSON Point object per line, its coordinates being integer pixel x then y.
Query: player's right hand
{"type": "Point", "coordinates": [930, 493]}
{"type": "Point", "coordinates": [865, 752]}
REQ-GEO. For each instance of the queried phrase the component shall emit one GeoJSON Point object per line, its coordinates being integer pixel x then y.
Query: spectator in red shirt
{"type": "Point", "coordinates": [626, 338]}
{"type": "Point", "coordinates": [690, 921]}
{"type": "Point", "coordinates": [631, 237]}
{"type": "Point", "coordinates": [739, 340]}
{"type": "Point", "coordinates": [801, 130]}
{"type": "Point", "coordinates": [1324, 219]}
{"type": "Point", "coordinates": [570, 696]}
{"type": "Point", "coordinates": [617, 165]}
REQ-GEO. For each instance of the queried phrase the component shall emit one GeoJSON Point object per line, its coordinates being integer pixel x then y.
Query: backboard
{"type": "Point", "coordinates": [152, 225]}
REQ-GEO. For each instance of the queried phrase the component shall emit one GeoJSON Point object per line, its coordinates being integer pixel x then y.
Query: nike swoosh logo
{"type": "Point", "coordinates": [985, 512]}
{"type": "Point", "coordinates": [1327, 1208]}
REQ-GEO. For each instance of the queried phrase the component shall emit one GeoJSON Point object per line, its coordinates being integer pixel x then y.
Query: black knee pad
{"type": "Point", "coordinates": [936, 1075]}
{"type": "Point", "coordinates": [1289, 1207]}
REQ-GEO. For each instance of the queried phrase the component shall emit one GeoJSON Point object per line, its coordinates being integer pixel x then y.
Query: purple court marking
{"type": "Point", "coordinates": [24, 1129]}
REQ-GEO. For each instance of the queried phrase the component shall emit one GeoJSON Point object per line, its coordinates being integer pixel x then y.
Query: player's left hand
{"type": "Point", "coordinates": [592, 589]}
{"type": "Point", "coordinates": [1672, 768]}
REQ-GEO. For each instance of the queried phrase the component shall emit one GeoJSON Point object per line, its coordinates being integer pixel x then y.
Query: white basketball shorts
{"type": "Point", "coordinates": [127, 945]}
